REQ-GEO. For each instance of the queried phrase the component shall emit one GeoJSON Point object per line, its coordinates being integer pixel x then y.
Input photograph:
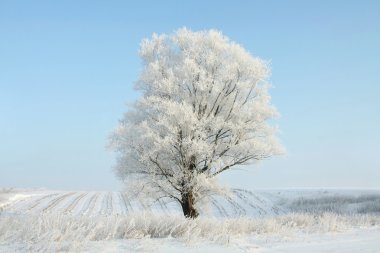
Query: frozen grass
{"type": "Point", "coordinates": [4, 193]}
{"type": "Point", "coordinates": [4, 196]}
{"type": "Point", "coordinates": [56, 228]}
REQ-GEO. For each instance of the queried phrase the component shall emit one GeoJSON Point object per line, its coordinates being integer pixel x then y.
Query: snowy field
{"type": "Point", "coordinates": [260, 221]}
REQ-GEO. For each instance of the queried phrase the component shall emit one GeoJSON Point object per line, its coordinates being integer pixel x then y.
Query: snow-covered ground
{"type": "Point", "coordinates": [247, 221]}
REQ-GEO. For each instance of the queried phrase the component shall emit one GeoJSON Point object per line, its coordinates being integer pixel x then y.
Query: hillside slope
{"type": "Point", "coordinates": [261, 203]}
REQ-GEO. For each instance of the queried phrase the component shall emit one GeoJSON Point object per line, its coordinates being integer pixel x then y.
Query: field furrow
{"type": "Point", "coordinates": [74, 203]}
{"type": "Point", "coordinates": [40, 201]}
{"type": "Point", "coordinates": [89, 205]}
{"type": "Point", "coordinates": [56, 201]}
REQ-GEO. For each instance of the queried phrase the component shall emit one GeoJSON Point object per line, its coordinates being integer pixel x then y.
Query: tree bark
{"type": "Point", "coordinates": [187, 204]}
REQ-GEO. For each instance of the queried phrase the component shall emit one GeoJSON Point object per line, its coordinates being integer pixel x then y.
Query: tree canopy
{"type": "Point", "coordinates": [204, 110]}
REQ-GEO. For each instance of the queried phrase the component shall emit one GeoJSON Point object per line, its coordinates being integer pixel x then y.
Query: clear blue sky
{"type": "Point", "coordinates": [67, 70]}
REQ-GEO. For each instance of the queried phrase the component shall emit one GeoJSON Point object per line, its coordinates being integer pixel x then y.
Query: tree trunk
{"type": "Point", "coordinates": [187, 204]}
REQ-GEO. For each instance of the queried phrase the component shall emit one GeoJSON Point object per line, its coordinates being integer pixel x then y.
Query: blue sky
{"type": "Point", "coordinates": [67, 70]}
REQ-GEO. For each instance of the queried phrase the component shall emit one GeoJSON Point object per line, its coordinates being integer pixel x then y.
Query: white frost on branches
{"type": "Point", "coordinates": [205, 109]}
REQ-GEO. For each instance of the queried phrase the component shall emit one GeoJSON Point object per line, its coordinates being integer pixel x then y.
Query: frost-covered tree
{"type": "Point", "coordinates": [204, 110]}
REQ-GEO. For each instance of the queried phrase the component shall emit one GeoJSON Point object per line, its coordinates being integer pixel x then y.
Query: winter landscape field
{"type": "Point", "coordinates": [189, 126]}
{"type": "Point", "coordinates": [311, 220]}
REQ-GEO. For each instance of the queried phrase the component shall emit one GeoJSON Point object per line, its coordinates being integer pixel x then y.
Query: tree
{"type": "Point", "coordinates": [204, 110]}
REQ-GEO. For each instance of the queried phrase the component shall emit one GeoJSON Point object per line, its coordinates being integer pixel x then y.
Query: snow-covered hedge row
{"type": "Point", "coordinates": [339, 204]}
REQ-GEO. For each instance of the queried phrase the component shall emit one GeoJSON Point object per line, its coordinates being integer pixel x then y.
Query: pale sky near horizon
{"type": "Point", "coordinates": [67, 70]}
